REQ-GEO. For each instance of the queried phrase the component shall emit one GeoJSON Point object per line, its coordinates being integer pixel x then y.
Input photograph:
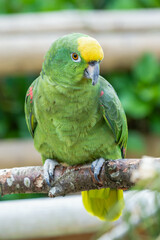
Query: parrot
{"type": "Point", "coordinates": [75, 117]}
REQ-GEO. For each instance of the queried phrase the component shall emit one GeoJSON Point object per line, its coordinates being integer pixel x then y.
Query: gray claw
{"type": "Point", "coordinates": [49, 167]}
{"type": "Point", "coordinates": [94, 163]}
{"type": "Point", "coordinates": [96, 167]}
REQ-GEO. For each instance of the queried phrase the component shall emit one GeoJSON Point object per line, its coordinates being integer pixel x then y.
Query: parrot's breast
{"type": "Point", "coordinates": [71, 127]}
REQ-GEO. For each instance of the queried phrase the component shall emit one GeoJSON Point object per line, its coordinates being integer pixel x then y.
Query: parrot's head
{"type": "Point", "coordinates": [73, 60]}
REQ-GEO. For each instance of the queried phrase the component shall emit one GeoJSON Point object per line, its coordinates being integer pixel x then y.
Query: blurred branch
{"type": "Point", "coordinates": [18, 149]}
{"type": "Point", "coordinates": [117, 174]}
{"type": "Point", "coordinates": [43, 218]}
{"type": "Point", "coordinates": [70, 20]}
{"type": "Point", "coordinates": [124, 36]}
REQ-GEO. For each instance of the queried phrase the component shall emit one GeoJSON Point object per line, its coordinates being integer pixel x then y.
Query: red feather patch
{"type": "Point", "coordinates": [101, 93]}
{"type": "Point", "coordinates": [30, 94]}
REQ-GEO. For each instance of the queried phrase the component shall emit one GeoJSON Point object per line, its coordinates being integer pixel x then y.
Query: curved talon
{"type": "Point", "coordinates": [96, 167]}
{"type": "Point", "coordinates": [49, 167]}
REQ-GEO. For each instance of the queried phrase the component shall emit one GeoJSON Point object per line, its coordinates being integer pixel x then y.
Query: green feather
{"type": "Point", "coordinates": [29, 110]}
{"type": "Point", "coordinates": [113, 113]}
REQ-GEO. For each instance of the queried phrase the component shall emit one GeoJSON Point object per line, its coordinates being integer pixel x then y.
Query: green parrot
{"type": "Point", "coordinates": [75, 117]}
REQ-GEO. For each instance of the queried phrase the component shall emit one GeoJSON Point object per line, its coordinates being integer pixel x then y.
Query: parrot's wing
{"type": "Point", "coordinates": [29, 109]}
{"type": "Point", "coordinates": [114, 114]}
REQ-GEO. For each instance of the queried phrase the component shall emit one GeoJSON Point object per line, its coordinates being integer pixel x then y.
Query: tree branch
{"type": "Point", "coordinates": [117, 174]}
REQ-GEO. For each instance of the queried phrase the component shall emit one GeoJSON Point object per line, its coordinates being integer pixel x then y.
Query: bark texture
{"type": "Point", "coordinates": [116, 174]}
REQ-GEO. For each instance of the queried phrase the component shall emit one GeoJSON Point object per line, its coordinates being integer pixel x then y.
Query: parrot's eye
{"type": "Point", "coordinates": [75, 57]}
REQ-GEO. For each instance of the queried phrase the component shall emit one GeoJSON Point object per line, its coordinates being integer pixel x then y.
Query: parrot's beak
{"type": "Point", "coordinates": [92, 72]}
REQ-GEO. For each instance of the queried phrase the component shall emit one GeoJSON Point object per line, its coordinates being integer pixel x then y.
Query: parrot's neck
{"type": "Point", "coordinates": [74, 111]}
{"type": "Point", "coordinates": [83, 93]}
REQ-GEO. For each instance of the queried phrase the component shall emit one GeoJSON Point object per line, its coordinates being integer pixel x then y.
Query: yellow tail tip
{"type": "Point", "coordinates": [107, 204]}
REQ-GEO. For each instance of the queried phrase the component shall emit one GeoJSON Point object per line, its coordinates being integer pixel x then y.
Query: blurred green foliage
{"type": "Point", "coordinates": [18, 6]}
{"type": "Point", "coordinates": [139, 92]}
{"type": "Point", "coordinates": [22, 196]}
{"type": "Point", "coordinates": [12, 94]}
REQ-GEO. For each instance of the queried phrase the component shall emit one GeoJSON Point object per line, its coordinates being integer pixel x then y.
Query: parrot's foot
{"type": "Point", "coordinates": [96, 167]}
{"type": "Point", "coordinates": [49, 167]}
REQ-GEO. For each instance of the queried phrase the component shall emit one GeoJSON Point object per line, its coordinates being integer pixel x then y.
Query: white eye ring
{"type": "Point", "coordinates": [75, 57]}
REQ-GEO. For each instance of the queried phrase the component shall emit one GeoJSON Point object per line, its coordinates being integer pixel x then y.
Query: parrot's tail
{"type": "Point", "coordinates": [106, 203]}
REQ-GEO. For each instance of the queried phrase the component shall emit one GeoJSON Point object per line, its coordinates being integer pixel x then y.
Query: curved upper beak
{"type": "Point", "coordinates": [92, 72]}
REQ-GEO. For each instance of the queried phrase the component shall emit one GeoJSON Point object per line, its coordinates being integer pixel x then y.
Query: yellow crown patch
{"type": "Point", "coordinates": [90, 49]}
